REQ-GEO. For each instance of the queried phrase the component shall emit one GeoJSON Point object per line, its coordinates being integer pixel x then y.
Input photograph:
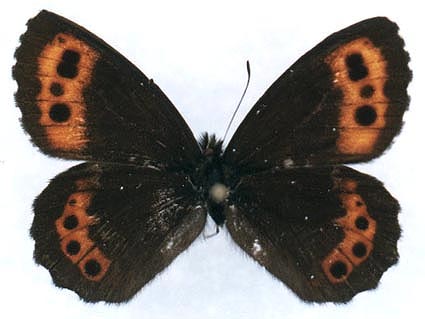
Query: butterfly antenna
{"type": "Point", "coordinates": [248, 69]}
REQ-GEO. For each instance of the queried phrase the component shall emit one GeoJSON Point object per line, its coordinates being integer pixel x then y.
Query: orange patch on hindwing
{"type": "Point", "coordinates": [359, 70]}
{"type": "Point", "coordinates": [64, 69]}
{"type": "Point", "coordinates": [73, 230]}
{"type": "Point", "coordinates": [94, 265]}
{"type": "Point", "coordinates": [359, 230]}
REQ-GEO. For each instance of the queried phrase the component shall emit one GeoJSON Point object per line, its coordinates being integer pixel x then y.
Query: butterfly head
{"type": "Point", "coordinates": [210, 146]}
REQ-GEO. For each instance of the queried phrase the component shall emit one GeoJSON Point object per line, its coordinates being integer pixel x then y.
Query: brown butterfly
{"type": "Point", "coordinates": [106, 227]}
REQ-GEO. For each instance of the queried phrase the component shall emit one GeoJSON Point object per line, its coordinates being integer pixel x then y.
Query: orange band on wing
{"type": "Point", "coordinates": [64, 69]}
{"type": "Point", "coordinates": [73, 230]}
{"type": "Point", "coordinates": [359, 231]}
{"type": "Point", "coordinates": [359, 70]}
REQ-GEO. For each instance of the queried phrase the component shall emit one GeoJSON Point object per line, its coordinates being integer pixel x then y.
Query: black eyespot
{"type": "Point", "coordinates": [359, 203]}
{"type": "Point", "coordinates": [362, 223]}
{"type": "Point", "coordinates": [356, 68]}
{"type": "Point", "coordinates": [338, 269]}
{"type": "Point", "coordinates": [70, 222]}
{"type": "Point", "coordinates": [67, 68]}
{"type": "Point", "coordinates": [365, 115]}
{"type": "Point", "coordinates": [59, 112]}
{"type": "Point", "coordinates": [92, 267]}
{"type": "Point", "coordinates": [367, 91]}
{"type": "Point", "coordinates": [56, 89]}
{"type": "Point", "coordinates": [71, 57]}
{"type": "Point", "coordinates": [359, 250]}
{"type": "Point", "coordinates": [72, 202]}
{"type": "Point", "coordinates": [73, 247]}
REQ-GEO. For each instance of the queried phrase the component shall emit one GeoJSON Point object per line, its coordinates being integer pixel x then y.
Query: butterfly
{"type": "Point", "coordinates": [108, 226]}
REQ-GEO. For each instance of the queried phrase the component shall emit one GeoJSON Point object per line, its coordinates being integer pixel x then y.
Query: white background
{"type": "Point", "coordinates": [196, 52]}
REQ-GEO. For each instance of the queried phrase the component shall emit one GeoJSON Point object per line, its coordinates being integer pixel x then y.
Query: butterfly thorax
{"type": "Point", "coordinates": [210, 177]}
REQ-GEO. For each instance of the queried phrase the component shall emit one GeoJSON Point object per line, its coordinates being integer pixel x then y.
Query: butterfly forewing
{"type": "Point", "coordinates": [81, 99]}
{"type": "Point", "coordinates": [341, 102]}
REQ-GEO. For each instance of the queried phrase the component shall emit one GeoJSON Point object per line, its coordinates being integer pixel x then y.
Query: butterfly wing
{"type": "Point", "coordinates": [327, 233]}
{"type": "Point", "coordinates": [81, 99]}
{"type": "Point", "coordinates": [104, 231]}
{"type": "Point", "coordinates": [341, 102]}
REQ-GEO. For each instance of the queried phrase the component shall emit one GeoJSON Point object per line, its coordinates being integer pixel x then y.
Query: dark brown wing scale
{"type": "Point", "coordinates": [327, 233]}
{"type": "Point", "coordinates": [342, 102]}
{"type": "Point", "coordinates": [104, 231]}
{"type": "Point", "coordinates": [81, 99]}
{"type": "Point", "coordinates": [107, 227]}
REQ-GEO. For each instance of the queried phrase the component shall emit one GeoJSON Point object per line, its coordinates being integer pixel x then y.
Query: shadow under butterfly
{"type": "Point", "coordinates": [106, 227]}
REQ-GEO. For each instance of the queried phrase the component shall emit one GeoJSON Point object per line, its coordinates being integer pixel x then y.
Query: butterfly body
{"type": "Point", "coordinates": [211, 178]}
{"type": "Point", "coordinates": [108, 226]}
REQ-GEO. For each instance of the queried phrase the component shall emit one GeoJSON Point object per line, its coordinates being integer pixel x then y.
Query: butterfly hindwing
{"type": "Point", "coordinates": [341, 102]}
{"type": "Point", "coordinates": [327, 233]}
{"type": "Point", "coordinates": [105, 231]}
{"type": "Point", "coordinates": [81, 99]}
